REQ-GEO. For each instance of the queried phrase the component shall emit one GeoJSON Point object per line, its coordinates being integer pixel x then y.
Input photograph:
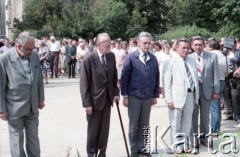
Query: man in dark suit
{"type": "Point", "coordinates": [98, 87]}
{"type": "Point", "coordinates": [140, 89]}
{"type": "Point", "coordinates": [209, 87]}
{"type": "Point", "coordinates": [71, 51]}
{"type": "Point", "coordinates": [21, 95]}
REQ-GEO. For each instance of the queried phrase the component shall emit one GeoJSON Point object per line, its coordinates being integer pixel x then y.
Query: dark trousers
{"type": "Point", "coordinates": [71, 68]}
{"type": "Point", "coordinates": [54, 64]}
{"type": "Point", "coordinates": [98, 130]}
{"type": "Point", "coordinates": [204, 110]}
{"type": "Point", "coordinates": [231, 97]}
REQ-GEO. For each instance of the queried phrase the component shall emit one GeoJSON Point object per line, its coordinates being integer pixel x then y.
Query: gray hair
{"type": "Point", "coordinates": [100, 36]}
{"type": "Point", "coordinates": [185, 40]}
{"type": "Point", "coordinates": [23, 37]}
{"type": "Point", "coordinates": [144, 34]}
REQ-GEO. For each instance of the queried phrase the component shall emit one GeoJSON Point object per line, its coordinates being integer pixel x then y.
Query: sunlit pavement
{"type": "Point", "coordinates": [63, 125]}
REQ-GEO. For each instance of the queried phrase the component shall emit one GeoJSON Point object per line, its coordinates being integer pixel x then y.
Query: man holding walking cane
{"type": "Point", "coordinates": [98, 87]}
{"type": "Point", "coordinates": [140, 88]}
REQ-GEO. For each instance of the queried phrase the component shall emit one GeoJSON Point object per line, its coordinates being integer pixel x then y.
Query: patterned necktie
{"type": "Point", "coordinates": [189, 75]}
{"type": "Point", "coordinates": [199, 69]}
{"type": "Point", "coordinates": [145, 57]}
{"type": "Point", "coordinates": [104, 64]}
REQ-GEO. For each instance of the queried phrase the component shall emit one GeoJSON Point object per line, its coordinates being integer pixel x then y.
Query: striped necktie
{"type": "Point", "coordinates": [189, 75]}
{"type": "Point", "coordinates": [199, 68]}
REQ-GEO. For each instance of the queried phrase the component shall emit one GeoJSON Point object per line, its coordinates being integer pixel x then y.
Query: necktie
{"type": "Point", "coordinates": [189, 75]}
{"type": "Point", "coordinates": [145, 57]}
{"type": "Point", "coordinates": [104, 64]}
{"type": "Point", "coordinates": [199, 69]}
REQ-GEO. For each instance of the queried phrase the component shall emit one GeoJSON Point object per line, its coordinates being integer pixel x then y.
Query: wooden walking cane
{"type": "Point", "coordinates": [117, 103]}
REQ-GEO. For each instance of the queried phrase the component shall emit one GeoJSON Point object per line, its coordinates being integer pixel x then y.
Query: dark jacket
{"type": "Point", "coordinates": [95, 84]}
{"type": "Point", "coordinates": [71, 51]}
{"type": "Point", "coordinates": [138, 79]}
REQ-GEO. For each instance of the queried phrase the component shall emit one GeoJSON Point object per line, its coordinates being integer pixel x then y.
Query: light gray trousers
{"type": "Point", "coordinates": [139, 113]}
{"type": "Point", "coordinates": [17, 127]}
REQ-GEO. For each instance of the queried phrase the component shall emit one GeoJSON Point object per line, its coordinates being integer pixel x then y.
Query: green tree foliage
{"type": "Point", "coordinates": [76, 22]}
{"type": "Point", "coordinates": [136, 24]}
{"type": "Point", "coordinates": [185, 31]}
{"type": "Point", "coordinates": [153, 14]}
{"type": "Point", "coordinates": [40, 15]}
{"type": "Point", "coordinates": [227, 11]}
{"type": "Point", "coordinates": [189, 12]}
{"type": "Point", "coordinates": [228, 29]}
{"type": "Point", "coordinates": [110, 16]}
{"type": "Point", "coordinates": [126, 18]}
{"type": "Point", "coordinates": [226, 16]}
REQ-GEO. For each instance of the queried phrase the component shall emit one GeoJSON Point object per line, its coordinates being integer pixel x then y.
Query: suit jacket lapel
{"type": "Point", "coordinates": [205, 58]}
{"type": "Point", "coordinates": [33, 66]}
{"type": "Point", "coordinates": [180, 65]}
{"type": "Point", "coordinates": [16, 63]}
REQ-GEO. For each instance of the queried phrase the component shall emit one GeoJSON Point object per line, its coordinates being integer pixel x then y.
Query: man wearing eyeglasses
{"type": "Point", "coordinates": [98, 87]}
{"type": "Point", "coordinates": [21, 95]}
{"type": "Point", "coordinates": [140, 89]}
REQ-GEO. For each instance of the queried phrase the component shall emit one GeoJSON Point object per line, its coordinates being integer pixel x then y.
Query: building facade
{"type": "Point", "coordinates": [2, 19]}
{"type": "Point", "coordinates": [13, 9]}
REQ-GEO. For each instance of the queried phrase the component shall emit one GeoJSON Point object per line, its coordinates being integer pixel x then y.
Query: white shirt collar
{"type": "Point", "coordinates": [141, 56]}
{"type": "Point", "coordinates": [141, 52]}
{"type": "Point", "coordinates": [201, 55]}
{"type": "Point", "coordinates": [100, 55]}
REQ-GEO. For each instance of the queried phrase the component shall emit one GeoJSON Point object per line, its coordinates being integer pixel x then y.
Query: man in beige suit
{"type": "Point", "coordinates": [181, 92]}
{"type": "Point", "coordinates": [21, 95]}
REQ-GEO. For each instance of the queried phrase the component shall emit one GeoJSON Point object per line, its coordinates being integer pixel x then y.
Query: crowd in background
{"type": "Point", "coordinates": [63, 58]}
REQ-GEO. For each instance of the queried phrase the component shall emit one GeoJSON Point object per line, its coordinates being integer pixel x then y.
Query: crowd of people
{"type": "Point", "coordinates": [195, 76]}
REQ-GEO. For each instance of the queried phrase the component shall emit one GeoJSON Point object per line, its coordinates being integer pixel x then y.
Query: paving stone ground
{"type": "Point", "coordinates": [63, 125]}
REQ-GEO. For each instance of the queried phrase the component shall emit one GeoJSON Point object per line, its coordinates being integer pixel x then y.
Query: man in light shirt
{"type": "Point", "coordinates": [81, 52]}
{"type": "Point", "coordinates": [54, 48]}
{"type": "Point", "coordinates": [7, 46]}
{"type": "Point", "coordinates": [213, 46]}
{"type": "Point", "coordinates": [119, 55]}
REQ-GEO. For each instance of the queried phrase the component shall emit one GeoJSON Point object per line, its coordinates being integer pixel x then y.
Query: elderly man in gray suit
{"type": "Point", "coordinates": [209, 87]}
{"type": "Point", "coordinates": [21, 95]}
